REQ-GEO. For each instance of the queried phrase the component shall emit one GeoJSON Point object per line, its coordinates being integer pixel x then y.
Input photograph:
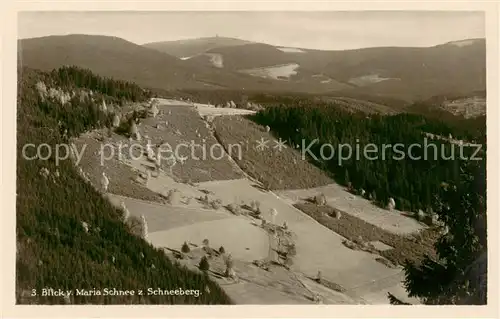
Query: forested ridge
{"type": "Point", "coordinates": [412, 183]}
{"type": "Point", "coordinates": [53, 249]}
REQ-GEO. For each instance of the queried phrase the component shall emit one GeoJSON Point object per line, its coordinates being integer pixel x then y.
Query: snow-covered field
{"type": "Point", "coordinates": [318, 248]}
{"type": "Point", "coordinates": [238, 236]}
{"type": "Point", "coordinates": [274, 72]}
{"type": "Point", "coordinates": [171, 102]}
{"type": "Point", "coordinates": [462, 43]}
{"type": "Point", "coordinates": [213, 111]}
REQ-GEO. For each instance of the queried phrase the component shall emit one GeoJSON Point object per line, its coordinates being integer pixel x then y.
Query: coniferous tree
{"type": "Point", "coordinates": [185, 248]}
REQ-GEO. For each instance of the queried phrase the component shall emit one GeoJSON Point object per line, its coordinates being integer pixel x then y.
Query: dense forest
{"type": "Point", "coordinates": [53, 249]}
{"type": "Point", "coordinates": [411, 183]}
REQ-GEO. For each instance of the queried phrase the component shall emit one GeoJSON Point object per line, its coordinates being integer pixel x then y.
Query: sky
{"type": "Point", "coordinates": [332, 30]}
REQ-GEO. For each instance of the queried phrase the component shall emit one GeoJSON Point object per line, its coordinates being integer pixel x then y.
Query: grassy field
{"type": "Point", "coordinates": [395, 221]}
{"type": "Point", "coordinates": [352, 228]}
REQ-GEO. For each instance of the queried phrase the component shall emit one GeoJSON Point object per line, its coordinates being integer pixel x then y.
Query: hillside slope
{"type": "Point", "coordinates": [417, 73]}
{"type": "Point", "coordinates": [107, 56]}
{"type": "Point", "coordinates": [54, 248]}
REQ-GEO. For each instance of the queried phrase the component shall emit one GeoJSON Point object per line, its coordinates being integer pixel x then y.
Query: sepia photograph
{"type": "Point", "coordinates": [211, 157]}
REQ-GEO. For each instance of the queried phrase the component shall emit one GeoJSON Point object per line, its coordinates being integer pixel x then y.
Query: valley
{"type": "Point", "coordinates": [189, 219]}
{"type": "Point", "coordinates": [216, 165]}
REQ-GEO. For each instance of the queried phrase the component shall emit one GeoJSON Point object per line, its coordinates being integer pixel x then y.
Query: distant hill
{"type": "Point", "coordinates": [68, 235]}
{"type": "Point", "coordinates": [402, 73]}
{"type": "Point", "coordinates": [107, 56]}
{"type": "Point", "coordinates": [192, 47]}
{"type": "Point", "coordinates": [399, 72]}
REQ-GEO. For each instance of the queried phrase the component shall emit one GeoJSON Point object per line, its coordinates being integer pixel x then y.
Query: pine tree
{"type": "Point", "coordinates": [185, 248]}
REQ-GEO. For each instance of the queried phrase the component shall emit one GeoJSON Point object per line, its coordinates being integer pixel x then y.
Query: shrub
{"type": "Point", "coordinates": [173, 196]}
{"type": "Point", "coordinates": [216, 204]}
{"type": "Point", "coordinates": [288, 262]}
{"type": "Point", "coordinates": [255, 205]}
{"type": "Point", "coordinates": [222, 250]}
{"type": "Point", "coordinates": [420, 215]}
{"type": "Point", "coordinates": [337, 214]}
{"type": "Point", "coordinates": [134, 224]}
{"type": "Point", "coordinates": [359, 240]}
{"type": "Point", "coordinates": [292, 251]}
{"type": "Point", "coordinates": [234, 208]}
{"type": "Point", "coordinates": [204, 200]}
{"type": "Point", "coordinates": [228, 261]}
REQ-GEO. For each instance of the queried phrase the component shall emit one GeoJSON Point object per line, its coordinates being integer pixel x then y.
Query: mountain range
{"type": "Point", "coordinates": [405, 73]}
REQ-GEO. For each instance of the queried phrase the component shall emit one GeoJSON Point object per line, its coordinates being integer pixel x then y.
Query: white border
{"type": "Point", "coordinates": [8, 160]}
